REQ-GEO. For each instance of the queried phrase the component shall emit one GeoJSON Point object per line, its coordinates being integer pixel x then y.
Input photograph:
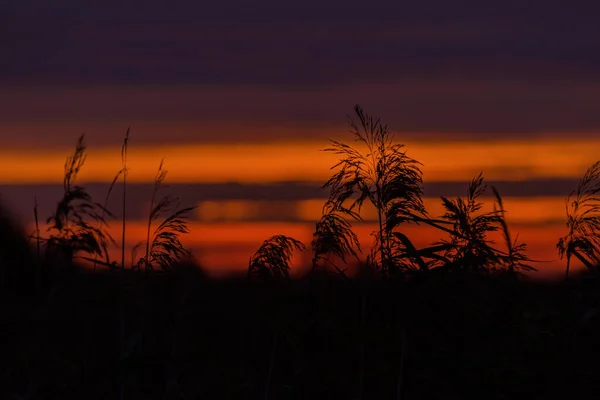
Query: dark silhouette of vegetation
{"type": "Point", "coordinates": [163, 245]}
{"type": "Point", "coordinates": [333, 236]}
{"type": "Point", "coordinates": [272, 259]}
{"type": "Point", "coordinates": [583, 222]}
{"type": "Point", "coordinates": [469, 247]}
{"type": "Point", "coordinates": [122, 345]}
{"type": "Point", "coordinates": [444, 323]}
{"type": "Point", "coordinates": [124, 171]}
{"type": "Point", "coordinates": [37, 228]}
{"type": "Point", "coordinates": [78, 223]}
{"type": "Point", "coordinates": [391, 181]}
{"type": "Point", "coordinates": [101, 222]}
{"type": "Point", "coordinates": [514, 260]}
{"type": "Point", "coordinates": [383, 175]}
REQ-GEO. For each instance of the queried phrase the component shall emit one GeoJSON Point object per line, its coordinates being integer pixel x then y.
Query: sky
{"type": "Point", "coordinates": [239, 97]}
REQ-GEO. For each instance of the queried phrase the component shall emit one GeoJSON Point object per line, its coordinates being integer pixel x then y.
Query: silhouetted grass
{"type": "Point", "coordinates": [37, 228]}
{"type": "Point", "coordinates": [469, 247]}
{"type": "Point", "coordinates": [583, 221]}
{"type": "Point", "coordinates": [163, 245]}
{"type": "Point", "coordinates": [124, 172]}
{"type": "Point", "coordinates": [102, 218]}
{"type": "Point", "coordinates": [515, 259]}
{"type": "Point", "coordinates": [391, 181]}
{"type": "Point", "coordinates": [77, 224]}
{"type": "Point", "coordinates": [272, 260]}
{"type": "Point", "coordinates": [384, 176]}
{"type": "Point", "coordinates": [468, 332]}
{"type": "Point", "coordinates": [333, 236]}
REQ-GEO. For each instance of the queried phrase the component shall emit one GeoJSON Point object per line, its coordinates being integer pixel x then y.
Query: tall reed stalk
{"type": "Point", "coordinates": [38, 271]}
{"type": "Point", "coordinates": [161, 174]}
{"type": "Point", "coordinates": [37, 227]}
{"type": "Point", "coordinates": [71, 222]}
{"type": "Point", "coordinates": [163, 245]}
{"type": "Point", "coordinates": [125, 171]}
{"type": "Point", "coordinates": [102, 220]}
{"type": "Point", "coordinates": [380, 173]}
{"type": "Point", "coordinates": [122, 291]}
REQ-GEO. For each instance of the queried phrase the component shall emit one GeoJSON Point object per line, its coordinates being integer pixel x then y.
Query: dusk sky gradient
{"type": "Point", "coordinates": [511, 88]}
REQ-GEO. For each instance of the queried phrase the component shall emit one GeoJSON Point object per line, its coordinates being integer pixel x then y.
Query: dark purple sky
{"type": "Point", "coordinates": [312, 43]}
{"type": "Point", "coordinates": [462, 67]}
{"type": "Point", "coordinates": [466, 68]}
{"type": "Point", "coordinates": [482, 69]}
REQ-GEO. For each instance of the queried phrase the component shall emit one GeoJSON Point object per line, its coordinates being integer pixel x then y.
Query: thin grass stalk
{"type": "Point", "coordinates": [568, 266]}
{"type": "Point", "coordinates": [37, 226]}
{"type": "Point", "coordinates": [157, 181]}
{"type": "Point", "coordinates": [38, 271]}
{"type": "Point", "coordinates": [147, 257]}
{"type": "Point", "coordinates": [379, 205]}
{"type": "Point", "coordinates": [75, 207]}
{"type": "Point", "coordinates": [383, 176]}
{"type": "Point", "coordinates": [122, 291]}
{"type": "Point", "coordinates": [124, 169]}
{"type": "Point", "coordinates": [379, 210]}
{"type": "Point", "coordinates": [72, 167]}
{"type": "Point", "coordinates": [102, 222]}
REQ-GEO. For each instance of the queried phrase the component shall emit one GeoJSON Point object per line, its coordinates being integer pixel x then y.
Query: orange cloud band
{"type": "Point", "coordinates": [302, 161]}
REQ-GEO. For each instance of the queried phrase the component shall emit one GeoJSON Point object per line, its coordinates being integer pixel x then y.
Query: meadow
{"type": "Point", "coordinates": [386, 319]}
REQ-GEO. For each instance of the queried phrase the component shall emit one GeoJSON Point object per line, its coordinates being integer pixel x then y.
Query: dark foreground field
{"type": "Point", "coordinates": [181, 336]}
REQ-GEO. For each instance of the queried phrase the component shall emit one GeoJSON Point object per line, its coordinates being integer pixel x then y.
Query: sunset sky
{"type": "Point", "coordinates": [240, 97]}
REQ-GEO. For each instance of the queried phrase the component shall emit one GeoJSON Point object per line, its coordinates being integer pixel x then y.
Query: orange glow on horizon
{"type": "Point", "coordinates": [244, 228]}
{"type": "Point", "coordinates": [302, 161]}
{"type": "Point", "coordinates": [221, 248]}
{"type": "Point", "coordinates": [521, 210]}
